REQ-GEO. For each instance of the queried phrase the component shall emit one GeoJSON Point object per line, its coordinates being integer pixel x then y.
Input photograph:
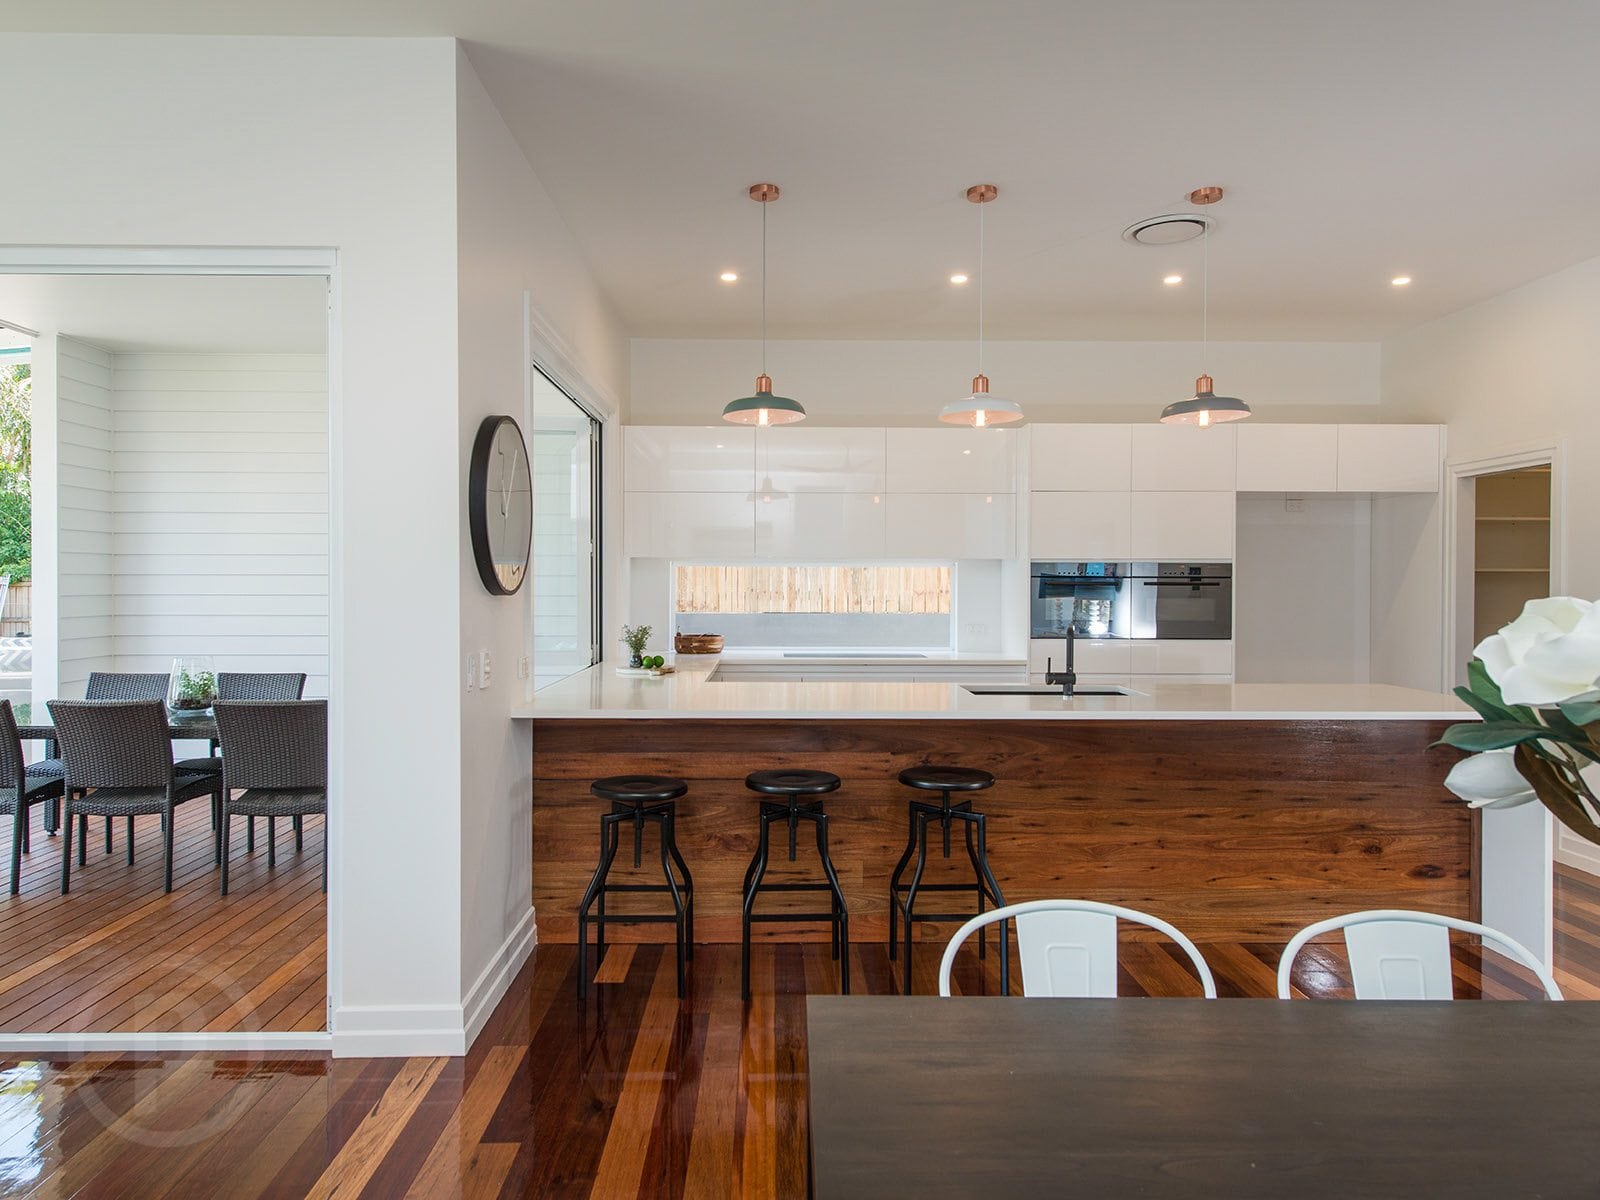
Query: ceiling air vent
{"type": "Point", "coordinates": [1166, 230]}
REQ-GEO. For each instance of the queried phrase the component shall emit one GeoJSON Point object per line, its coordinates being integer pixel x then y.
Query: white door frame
{"type": "Point", "coordinates": [1517, 845]}
{"type": "Point", "coordinates": [322, 262]}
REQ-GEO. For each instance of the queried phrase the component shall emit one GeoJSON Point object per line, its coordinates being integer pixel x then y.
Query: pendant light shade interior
{"type": "Point", "coordinates": [763, 408]}
{"type": "Point", "coordinates": [979, 410]}
{"type": "Point", "coordinates": [1205, 408]}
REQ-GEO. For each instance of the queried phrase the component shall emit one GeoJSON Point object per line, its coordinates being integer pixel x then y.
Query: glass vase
{"type": "Point", "coordinates": [192, 686]}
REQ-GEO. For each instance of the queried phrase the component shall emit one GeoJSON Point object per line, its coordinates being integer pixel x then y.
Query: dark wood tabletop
{"type": "Point", "coordinates": [34, 724]}
{"type": "Point", "coordinates": [989, 1097]}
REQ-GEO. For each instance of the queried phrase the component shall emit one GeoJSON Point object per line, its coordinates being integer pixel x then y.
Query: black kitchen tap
{"type": "Point", "coordinates": [1068, 679]}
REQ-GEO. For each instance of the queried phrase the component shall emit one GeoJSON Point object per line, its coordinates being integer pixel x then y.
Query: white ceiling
{"type": "Point", "coordinates": [1451, 140]}
{"type": "Point", "coordinates": [208, 314]}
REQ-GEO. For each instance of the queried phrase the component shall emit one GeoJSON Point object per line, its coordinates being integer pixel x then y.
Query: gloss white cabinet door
{"type": "Point", "coordinates": [1179, 526]}
{"type": "Point", "coordinates": [938, 525]}
{"type": "Point", "coordinates": [1080, 458]}
{"type": "Point", "coordinates": [821, 460]}
{"type": "Point", "coordinates": [813, 526]}
{"type": "Point", "coordinates": [1182, 458]}
{"type": "Point", "coordinates": [1079, 525]}
{"type": "Point", "coordinates": [688, 458]}
{"type": "Point", "coordinates": [1288, 458]}
{"type": "Point", "coordinates": [689, 525]}
{"type": "Point", "coordinates": [951, 460]}
{"type": "Point", "coordinates": [1389, 458]}
{"type": "Point", "coordinates": [1092, 656]}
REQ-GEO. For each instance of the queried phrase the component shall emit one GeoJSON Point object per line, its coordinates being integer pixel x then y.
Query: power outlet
{"type": "Point", "coordinates": [524, 667]}
{"type": "Point", "coordinates": [485, 669]}
{"type": "Point", "coordinates": [1295, 504]}
{"type": "Point", "coordinates": [974, 629]}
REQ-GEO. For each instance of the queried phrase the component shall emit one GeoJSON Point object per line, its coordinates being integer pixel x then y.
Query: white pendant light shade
{"type": "Point", "coordinates": [980, 410]}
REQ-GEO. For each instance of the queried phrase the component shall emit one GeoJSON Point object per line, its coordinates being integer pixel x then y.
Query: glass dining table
{"type": "Point", "coordinates": [34, 724]}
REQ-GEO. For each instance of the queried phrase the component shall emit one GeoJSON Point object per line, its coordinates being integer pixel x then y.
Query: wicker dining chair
{"type": "Point", "coordinates": [252, 685]}
{"type": "Point", "coordinates": [275, 756]}
{"type": "Point", "coordinates": [21, 787]}
{"type": "Point", "coordinates": [118, 759]}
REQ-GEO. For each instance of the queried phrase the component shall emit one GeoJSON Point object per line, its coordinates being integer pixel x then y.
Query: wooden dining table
{"type": "Point", "coordinates": [994, 1097]}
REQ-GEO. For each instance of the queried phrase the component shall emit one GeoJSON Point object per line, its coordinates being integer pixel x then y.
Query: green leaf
{"type": "Point", "coordinates": [1485, 688]}
{"type": "Point", "coordinates": [1572, 734]}
{"type": "Point", "coordinates": [1581, 712]}
{"type": "Point", "coordinates": [1485, 708]}
{"type": "Point", "coordinates": [1495, 735]}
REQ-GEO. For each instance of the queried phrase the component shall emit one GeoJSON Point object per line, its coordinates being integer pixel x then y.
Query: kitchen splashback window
{"type": "Point", "coordinates": [818, 607]}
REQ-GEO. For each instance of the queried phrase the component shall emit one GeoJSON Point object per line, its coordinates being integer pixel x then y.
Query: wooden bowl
{"type": "Point", "coordinates": [697, 643]}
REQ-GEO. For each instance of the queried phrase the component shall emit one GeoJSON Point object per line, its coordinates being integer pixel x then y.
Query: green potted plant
{"type": "Point", "coordinates": [636, 638]}
{"type": "Point", "coordinates": [193, 685]}
{"type": "Point", "coordinates": [1536, 684]}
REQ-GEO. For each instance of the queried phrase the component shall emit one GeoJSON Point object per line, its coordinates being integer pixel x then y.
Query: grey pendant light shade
{"type": "Point", "coordinates": [763, 408]}
{"type": "Point", "coordinates": [1205, 407]}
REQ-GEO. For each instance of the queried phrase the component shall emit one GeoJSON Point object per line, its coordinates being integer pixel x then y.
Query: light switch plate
{"type": "Point", "coordinates": [485, 669]}
{"type": "Point", "coordinates": [524, 667]}
{"type": "Point", "coordinates": [472, 672]}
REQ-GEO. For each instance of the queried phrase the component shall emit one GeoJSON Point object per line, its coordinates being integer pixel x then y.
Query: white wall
{"type": "Point", "coordinates": [1302, 589]}
{"type": "Point", "coordinates": [84, 421]}
{"type": "Point", "coordinates": [344, 143]}
{"type": "Point", "coordinates": [512, 242]}
{"type": "Point", "coordinates": [1516, 373]}
{"type": "Point", "coordinates": [686, 381]}
{"type": "Point", "coordinates": [220, 512]}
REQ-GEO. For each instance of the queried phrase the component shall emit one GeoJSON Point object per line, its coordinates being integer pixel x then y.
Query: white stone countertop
{"type": "Point", "coordinates": [691, 693]}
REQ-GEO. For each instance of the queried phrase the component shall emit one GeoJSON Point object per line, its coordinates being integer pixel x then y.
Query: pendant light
{"type": "Point", "coordinates": [1205, 408]}
{"type": "Point", "coordinates": [980, 409]}
{"type": "Point", "coordinates": [763, 408]}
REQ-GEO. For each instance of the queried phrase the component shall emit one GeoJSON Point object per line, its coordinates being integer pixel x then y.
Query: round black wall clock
{"type": "Point", "coordinates": [500, 505]}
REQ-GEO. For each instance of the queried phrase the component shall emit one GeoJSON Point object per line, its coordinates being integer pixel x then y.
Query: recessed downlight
{"type": "Point", "coordinates": [729, 277]}
{"type": "Point", "coordinates": [1400, 281]}
{"type": "Point", "coordinates": [958, 279]}
{"type": "Point", "coordinates": [1172, 280]}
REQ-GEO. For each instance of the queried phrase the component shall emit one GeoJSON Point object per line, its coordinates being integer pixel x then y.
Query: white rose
{"type": "Point", "coordinates": [1489, 780]}
{"type": "Point", "coordinates": [1549, 654]}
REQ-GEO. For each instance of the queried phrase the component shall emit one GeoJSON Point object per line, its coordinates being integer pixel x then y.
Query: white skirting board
{"type": "Point", "coordinates": [434, 1030]}
{"type": "Point", "coordinates": [1575, 852]}
{"type": "Point", "coordinates": [99, 1043]}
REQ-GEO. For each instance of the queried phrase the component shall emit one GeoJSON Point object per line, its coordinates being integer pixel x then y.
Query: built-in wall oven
{"type": "Point", "coordinates": [1133, 600]}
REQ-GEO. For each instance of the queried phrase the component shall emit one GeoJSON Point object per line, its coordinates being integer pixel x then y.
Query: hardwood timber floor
{"type": "Point", "coordinates": [629, 1094]}
{"type": "Point", "coordinates": [117, 954]}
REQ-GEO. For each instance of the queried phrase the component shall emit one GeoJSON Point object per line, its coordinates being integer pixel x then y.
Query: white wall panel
{"type": "Point", "coordinates": [85, 432]}
{"type": "Point", "coordinates": [218, 536]}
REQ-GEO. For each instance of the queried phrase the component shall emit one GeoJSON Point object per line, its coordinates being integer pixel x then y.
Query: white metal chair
{"type": "Point", "coordinates": [1400, 954]}
{"type": "Point", "coordinates": [1069, 947]}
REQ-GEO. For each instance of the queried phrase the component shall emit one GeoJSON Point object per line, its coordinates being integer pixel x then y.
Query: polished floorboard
{"type": "Point", "coordinates": [117, 954]}
{"type": "Point", "coordinates": [628, 1094]}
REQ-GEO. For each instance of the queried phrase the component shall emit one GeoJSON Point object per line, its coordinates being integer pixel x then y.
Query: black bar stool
{"type": "Point", "coordinates": [636, 799]}
{"type": "Point", "coordinates": [945, 780]}
{"type": "Point", "coordinates": [794, 787]}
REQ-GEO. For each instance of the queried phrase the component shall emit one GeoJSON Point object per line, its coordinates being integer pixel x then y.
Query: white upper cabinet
{"type": "Point", "coordinates": [1079, 525]}
{"type": "Point", "coordinates": [702, 525]}
{"type": "Point", "coordinates": [689, 458]}
{"type": "Point", "coordinates": [1288, 458]}
{"type": "Point", "coordinates": [810, 526]}
{"type": "Point", "coordinates": [1182, 458]}
{"type": "Point", "coordinates": [1389, 458]}
{"type": "Point", "coordinates": [946, 525]}
{"type": "Point", "coordinates": [952, 460]}
{"type": "Point", "coordinates": [1179, 526]}
{"type": "Point", "coordinates": [1080, 458]}
{"type": "Point", "coordinates": [821, 460]}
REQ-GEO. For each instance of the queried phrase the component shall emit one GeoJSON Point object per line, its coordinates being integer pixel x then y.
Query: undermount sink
{"type": "Point", "coordinates": [1027, 690]}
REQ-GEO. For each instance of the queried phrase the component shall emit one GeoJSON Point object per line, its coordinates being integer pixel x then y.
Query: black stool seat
{"type": "Point", "coordinates": [791, 783]}
{"type": "Point", "coordinates": [638, 789]}
{"type": "Point", "coordinates": [946, 779]}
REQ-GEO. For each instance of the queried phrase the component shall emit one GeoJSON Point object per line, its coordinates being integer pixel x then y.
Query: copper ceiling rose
{"type": "Point", "coordinates": [1205, 195]}
{"type": "Point", "coordinates": [765, 193]}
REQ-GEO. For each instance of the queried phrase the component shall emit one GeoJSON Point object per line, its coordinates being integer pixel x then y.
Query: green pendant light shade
{"type": "Point", "coordinates": [763, 408]}
{"type": "Point", "coordinates": [1205, 408]}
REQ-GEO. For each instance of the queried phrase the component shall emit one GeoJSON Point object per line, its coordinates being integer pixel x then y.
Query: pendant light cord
{"type": "Point", "coordinates": [1205, 296]}
{"type": "Point", "coordinates": [764, 287]}
{"type": "Point", "coordinates": [980, 289]}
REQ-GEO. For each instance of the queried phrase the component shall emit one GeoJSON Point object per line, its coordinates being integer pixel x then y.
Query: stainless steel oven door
{"type": "Point", "coordinates": [1187, 600]}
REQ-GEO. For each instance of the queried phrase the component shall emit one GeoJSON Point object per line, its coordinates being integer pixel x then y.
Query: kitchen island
{"type": "Point", "coordinates": [1238, 812]}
